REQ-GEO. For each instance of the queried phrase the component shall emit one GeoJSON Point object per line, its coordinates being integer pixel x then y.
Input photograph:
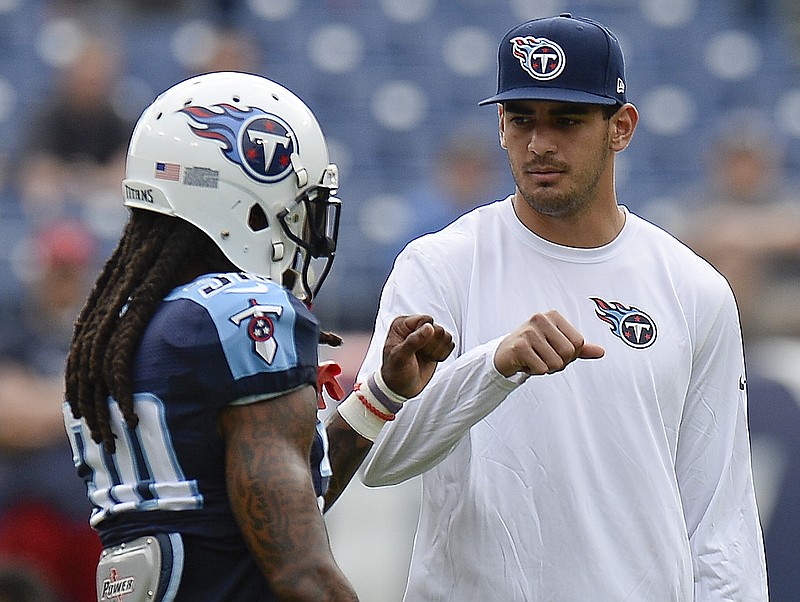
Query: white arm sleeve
{"type": "Point", "coordinates": [464, 389]}
{"type": "Point", "coordinates": [714, 470]}
{"type": "Point", "coordinates": [430, 425]}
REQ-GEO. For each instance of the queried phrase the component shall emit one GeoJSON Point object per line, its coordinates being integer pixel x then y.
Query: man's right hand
{"type": "Point", "coordinates": [544, 344]}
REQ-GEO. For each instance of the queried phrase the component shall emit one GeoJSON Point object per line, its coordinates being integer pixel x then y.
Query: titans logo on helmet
{"type": "Point", "coordinates": [539, 57]}
{"type": "Point", "coordinates": [259, 142]}
{"type": "Point", "coordinates": [630, 324]}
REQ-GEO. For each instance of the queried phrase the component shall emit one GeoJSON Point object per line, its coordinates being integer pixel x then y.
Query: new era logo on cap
{"type": "Point", "coordinates": [564, 58]}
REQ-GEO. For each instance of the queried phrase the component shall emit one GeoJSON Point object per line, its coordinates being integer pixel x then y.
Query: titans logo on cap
{"type": "Point", "coordinates": [541, 58]}
{"type": "Point", "coordinates": [260, 143]}
{"type": "Point", "coordinates": [630, 324]}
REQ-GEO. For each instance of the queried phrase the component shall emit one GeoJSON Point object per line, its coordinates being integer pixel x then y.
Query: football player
{"type": "Point", "coordinates": [192, 382]}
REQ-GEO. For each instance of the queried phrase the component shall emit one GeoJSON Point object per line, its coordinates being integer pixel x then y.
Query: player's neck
{"type": "Point", "coordinates": [593, 226]}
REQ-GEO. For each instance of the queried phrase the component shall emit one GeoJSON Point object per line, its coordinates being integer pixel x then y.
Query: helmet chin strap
{"type": "Point", "coordinates": [302, 280]}
{"type": "Point", "coordinates": [291, 280]}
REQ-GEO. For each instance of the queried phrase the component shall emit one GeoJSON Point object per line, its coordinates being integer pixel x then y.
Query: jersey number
{"type": "Point", "coordinates": [143, 474]}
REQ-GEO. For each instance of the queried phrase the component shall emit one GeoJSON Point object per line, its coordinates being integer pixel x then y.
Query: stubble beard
{"type": "Point", "coordinates": [559, 202]}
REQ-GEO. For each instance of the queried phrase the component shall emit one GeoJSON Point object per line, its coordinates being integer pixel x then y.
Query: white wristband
{"type": "Point", "coordinates": [360, 419]}
{"type": "Point", "coordinates": [371, 405]}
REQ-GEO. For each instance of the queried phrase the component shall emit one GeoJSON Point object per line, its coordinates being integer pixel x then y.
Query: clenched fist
{"type": "Point", "coordinates": [544, 344]}
{"type": "Point", "coordinates": [413, 347]}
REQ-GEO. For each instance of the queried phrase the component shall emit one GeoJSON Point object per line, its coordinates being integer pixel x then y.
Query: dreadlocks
{"type": "Point", "coordinates": [147, 264]}
{"type": "Point", "coordinates": [149, 258]}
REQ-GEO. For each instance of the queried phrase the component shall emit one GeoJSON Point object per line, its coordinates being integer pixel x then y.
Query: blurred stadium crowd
{"type": "Point", "coordinates": [395, 85]}
{"type": "Point", "coordinates": [390, 81]}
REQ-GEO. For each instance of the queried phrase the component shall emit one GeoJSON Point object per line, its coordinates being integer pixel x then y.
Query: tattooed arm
{"type": "Point", "coordinates": [346, 453]}
{"type": "Point", "coordinates": [271, 492]}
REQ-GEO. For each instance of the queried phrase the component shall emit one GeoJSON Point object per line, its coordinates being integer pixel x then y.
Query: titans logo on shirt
{"type": "Point", "coordinates": [630, 324]}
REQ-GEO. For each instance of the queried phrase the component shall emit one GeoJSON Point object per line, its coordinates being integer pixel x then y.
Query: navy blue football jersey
{"type": "Point", "coordinates": [222, 339]}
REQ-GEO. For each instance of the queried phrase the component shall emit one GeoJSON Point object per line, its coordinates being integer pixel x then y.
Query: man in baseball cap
{"type": "Point", "coordinates": [596, 374]}
{"type": "Point", "coordinates": [564, 58]}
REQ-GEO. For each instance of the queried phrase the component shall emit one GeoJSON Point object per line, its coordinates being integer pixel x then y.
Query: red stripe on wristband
{"type": "Point", "coordinates": [382, 415]}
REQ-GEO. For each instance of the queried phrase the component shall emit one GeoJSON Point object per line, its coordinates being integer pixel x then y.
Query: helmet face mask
{"type": "Point", "coordinates": [318, 237]}
{"type": "Point", "coordinates": [244, 160]}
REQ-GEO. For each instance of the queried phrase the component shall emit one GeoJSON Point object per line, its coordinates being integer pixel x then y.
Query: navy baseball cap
{"type": "Point", "coordinates": [564, 59]}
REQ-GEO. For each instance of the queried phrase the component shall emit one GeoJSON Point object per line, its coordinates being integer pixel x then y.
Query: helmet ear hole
{"type": "Point", "coordinates": [257, 219]}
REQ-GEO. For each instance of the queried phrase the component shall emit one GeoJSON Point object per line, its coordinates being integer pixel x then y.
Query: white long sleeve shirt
{"type": "Point", "coordinates": [626, 478]}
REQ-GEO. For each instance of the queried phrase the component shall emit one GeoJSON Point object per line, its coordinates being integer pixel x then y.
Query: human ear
{"type": "Point", "coordinates": [622, 125]}
{"type": "Point", "coordinates": [502, 129]}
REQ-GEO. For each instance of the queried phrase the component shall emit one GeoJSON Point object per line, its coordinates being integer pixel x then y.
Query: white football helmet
{"type": "Point", "coordinates": [243, 159]}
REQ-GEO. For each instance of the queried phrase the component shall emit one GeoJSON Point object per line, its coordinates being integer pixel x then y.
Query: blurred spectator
{"type": "Point", "coordinates": [74, 156]}
{"type": "Point", "coordinates": [745, 219]}
{"type": "Point", "coordinates": [465, 172]}
{"type": "Point", "coordinates": [43, 508]}
{"type": "Point", "coordinates": [230, 49]}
